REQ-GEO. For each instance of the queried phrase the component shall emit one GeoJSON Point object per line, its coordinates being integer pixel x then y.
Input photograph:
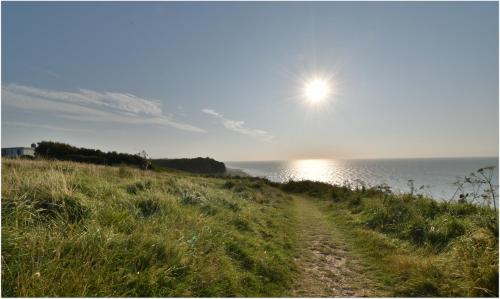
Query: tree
{"type": "Point", "coordinates": [145, 163]}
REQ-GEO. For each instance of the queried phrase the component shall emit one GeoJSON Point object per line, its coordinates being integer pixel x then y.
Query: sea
{"type": "Point", "coordinates": [433, 177]}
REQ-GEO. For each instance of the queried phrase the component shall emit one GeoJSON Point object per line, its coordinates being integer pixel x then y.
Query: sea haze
{"type": "Point", "coordinates": [437, 175]}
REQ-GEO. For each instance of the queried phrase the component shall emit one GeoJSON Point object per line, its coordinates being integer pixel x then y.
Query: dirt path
{"type": "Point", "coordinates": [327, 268]}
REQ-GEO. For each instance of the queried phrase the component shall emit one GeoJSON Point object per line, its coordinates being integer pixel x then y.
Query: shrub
{"type": "Point", "coordinates": [228, 185]}
{"type": "Point", "coordinates": [256, 185]}
{"type": "Point", "coordinates": [354, 201]}
{"type": "Point", "coordinates": [315, 189]}
{"type": "Point", "coordinates": [196, 165]}
{"type": "Point", "coordinates": [416, 232]}
{"type": "Point", "coordinates": [461, 209]}
{"type": "Point", "coordinates": [148, 207]}
{"type": "Point", "coordinates": [62, 151]}
{"type": "Point", "coordinates": [339, 193]}
{"type": "Point", "coordinates": [445, 229]}
{"type": "Point", "coordinates": [387, 214]}
{"type": "Point", "coordinates": [426, 207]}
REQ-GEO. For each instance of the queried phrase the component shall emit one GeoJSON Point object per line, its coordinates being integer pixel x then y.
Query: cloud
{"type": "Point", "coordinates": [89, 105]}
{"type": "Point", "coordinates": [212, 112]}
{"type": "Point", "coordinates": [30, 125]}
{"type": "Point", "coordinates": [238, 126]}
{"type": "Point", "coordinates": [51, 73]}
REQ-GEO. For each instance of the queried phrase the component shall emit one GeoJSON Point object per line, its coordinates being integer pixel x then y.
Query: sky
{"type": "Point", "coordinates": [226, 80]}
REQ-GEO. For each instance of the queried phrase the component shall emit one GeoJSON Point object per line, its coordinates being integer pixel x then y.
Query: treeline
{"type": "Point", "coordinates": [66, 152]}
{"type": "Point", "coordinates": [196, 165]}
{"type": "Point", "coordinates": [63, 151]}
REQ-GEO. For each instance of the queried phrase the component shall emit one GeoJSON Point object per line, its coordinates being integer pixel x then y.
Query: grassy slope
{"type": "Point", "coordinates": [72, 229]}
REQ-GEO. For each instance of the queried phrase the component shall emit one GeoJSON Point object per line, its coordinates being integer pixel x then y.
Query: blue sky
{"type": "Point", "coordinates": [225, 80]}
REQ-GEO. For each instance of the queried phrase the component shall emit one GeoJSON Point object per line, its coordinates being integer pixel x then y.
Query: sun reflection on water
{"type": "Point", "coordinates": [437, 175]}
{"type": "Point", "coordinates": [313, 169]}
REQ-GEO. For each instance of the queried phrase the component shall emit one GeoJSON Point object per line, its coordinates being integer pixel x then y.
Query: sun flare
{"type": "Point", "coordinates": [316, 90]}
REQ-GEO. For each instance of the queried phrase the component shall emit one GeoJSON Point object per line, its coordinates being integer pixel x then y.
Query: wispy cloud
{"type": "Point", "coordinates": [31, 125]}
{"type": "Point", "coordinates": [89, 105]}
{"type": "Point", "coordinates": [238, 126]}
{"type": "Point", "coordinates": [51, 73]}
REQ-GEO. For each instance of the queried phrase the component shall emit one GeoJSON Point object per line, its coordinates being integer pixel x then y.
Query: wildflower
{"type": "Point", "coordinates": [37, 274]}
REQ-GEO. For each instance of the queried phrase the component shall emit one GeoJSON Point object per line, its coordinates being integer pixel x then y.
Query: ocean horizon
{"type": "Point", "coordinates": [433, 177]}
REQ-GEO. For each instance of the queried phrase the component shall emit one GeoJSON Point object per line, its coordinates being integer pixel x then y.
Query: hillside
{"type": "Point", "coordinates": [194, 165]}
{"type": "Point", "coordinates": [72, 229]}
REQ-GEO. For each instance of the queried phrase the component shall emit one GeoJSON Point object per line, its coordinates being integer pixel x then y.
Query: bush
{"type": "Point", "coordinates": [354, 201]}
{"type": "Point", "coordinates": [387, 215]}
{"type": "Point", "coordinates": [228, 185]}
{"type": "Point", "coordinates": [461, 209]}
{"type": "Point", "coordinates": [196, 165]}
{"type": "Point", "coordinates": [339, 193]}
{"type": "Point", "coordinates": [148, 207]}
{"type": "Point", "coordinates": [445, 229]}
{"type": "Point", "coordinates": [62, 151]}
{"type": "Point", "coordinates": [315, 189]}
{"type": "Point", "coordinates": [416, 232]}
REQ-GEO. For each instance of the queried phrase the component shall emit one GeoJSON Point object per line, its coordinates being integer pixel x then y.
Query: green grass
{"type": "Point", "coordinates": [71, 229]}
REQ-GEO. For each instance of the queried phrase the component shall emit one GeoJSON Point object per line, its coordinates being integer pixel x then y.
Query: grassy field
{"type": "Point", "coordinates": [72, 229]}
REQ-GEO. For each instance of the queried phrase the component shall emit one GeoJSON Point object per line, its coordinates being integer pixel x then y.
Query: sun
{"type": "Point", "coordinates": [316, 90]}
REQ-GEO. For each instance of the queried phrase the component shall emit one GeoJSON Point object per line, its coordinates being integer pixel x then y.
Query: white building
{"type": "Point", "coordinates": [14, 152]}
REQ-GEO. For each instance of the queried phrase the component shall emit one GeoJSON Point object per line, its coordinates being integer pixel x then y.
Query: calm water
{"type": "Point", "coordinates": [436, 175]}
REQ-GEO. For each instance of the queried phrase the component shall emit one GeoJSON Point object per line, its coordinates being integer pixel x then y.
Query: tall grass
{"type": "Point", "coordinates": [71, 229]}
